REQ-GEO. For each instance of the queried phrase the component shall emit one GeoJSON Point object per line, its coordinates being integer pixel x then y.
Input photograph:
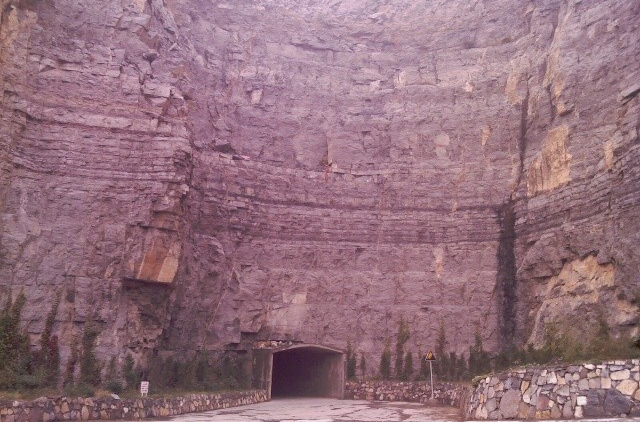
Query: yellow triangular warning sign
{"type": "Point", "coordinates": [430, 356]}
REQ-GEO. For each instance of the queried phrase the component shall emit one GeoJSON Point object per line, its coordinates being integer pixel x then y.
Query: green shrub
{"type": "Point", "coordinates": [79, 390]}
{"type": "Point", "coordinates": [458, 367]}
{"type": "Point", "coordinates": [407, 371]}
{"type": "Point", "coordinates": [130, 374]}
{"type": "Point", "coordinates": [351, 362]}
{"type": "Point", "coordinates": [70, 368]}
{"type": "Point", "coordinates": [363, 366]}
{"type": "Point", "coordinates": [16, 360]}
{"type": "Point", "coordinates": [479, 359]}
{"type": "Point", "coordinates": [89, 365]}
{"type": "Point", "coordinates": [114, 386]}
{"type": "Point", "coordinates": [112, 381]}
{"type": "Point", "coordinates": [564, 347]}
{"type": "Point", "coordinates": [402, 337]}
{"type": "Point", "coordinates": [187, 374]}
{"type": "Point", "coordinates": [423, 371]}
{"type": "Point", "coordinates": [385, 362]}
{"type": "Point", "coordinates": [49, 354]}
{"type": "Point", "coordinates": [196, 374]}
{"type": "Point", "coordinates": [156, 374]}
{"type": "Point", "coordinates": [231, 372]}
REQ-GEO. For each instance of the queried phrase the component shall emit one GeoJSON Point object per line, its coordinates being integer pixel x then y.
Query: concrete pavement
{"type": "Point", "coordinates": [325, 410]}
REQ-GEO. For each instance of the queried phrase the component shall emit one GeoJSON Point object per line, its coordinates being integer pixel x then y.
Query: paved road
{"type": "Point", "coordinates": [325, 410]}
{"type": "Point", "coordinates": [330, 410]}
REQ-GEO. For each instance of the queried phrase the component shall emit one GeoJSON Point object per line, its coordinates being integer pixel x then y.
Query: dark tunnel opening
{"type": "Point", "coordinates": [308, 372]}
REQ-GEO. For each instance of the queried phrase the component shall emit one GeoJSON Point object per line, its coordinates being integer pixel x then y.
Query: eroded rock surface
{"type": "Point", "coordinates": [193, 174]}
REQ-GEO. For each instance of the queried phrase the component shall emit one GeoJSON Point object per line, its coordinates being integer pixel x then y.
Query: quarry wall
{"type": "Point", "coordinates": [200, 175]}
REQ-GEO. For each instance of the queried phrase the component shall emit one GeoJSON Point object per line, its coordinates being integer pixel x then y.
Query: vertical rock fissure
{"type": "Point", "coordinates": [522, 140]}
{"type": "Point", "coordinates": [506, 282]}
{"type": "Point", "coordinates": [506, 276]}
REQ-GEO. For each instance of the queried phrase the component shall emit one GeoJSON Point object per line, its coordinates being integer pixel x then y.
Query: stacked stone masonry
{"type": "Point", "coordinates": [418, 392]}
{"type": "Point", "coordinates": [610, 389]}
{"type": "Point", "coordinates": [75, 409]}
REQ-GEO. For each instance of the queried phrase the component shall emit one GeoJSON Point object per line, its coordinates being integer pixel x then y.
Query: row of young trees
{"type": "Point", "coordinates": [203, 372]}
{"type": "Point", "coordinates": [22, 368]}
{"type": "Point", "coordinates": [449, 366]}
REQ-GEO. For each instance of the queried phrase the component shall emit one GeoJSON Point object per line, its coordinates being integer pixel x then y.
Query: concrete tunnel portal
{"type": "Point", "coordinates": [301, 370]}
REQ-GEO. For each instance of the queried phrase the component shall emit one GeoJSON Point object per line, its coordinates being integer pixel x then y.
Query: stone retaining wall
{"type": "Point", "coordinates": [66, 408]}
{"type": "Point", "coordinates": [587, 390]}
{"type": "Point", "coordinates": [445, 393]}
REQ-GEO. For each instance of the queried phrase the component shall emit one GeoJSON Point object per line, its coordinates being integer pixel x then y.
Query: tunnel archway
{"type": "Point", "coordinates": [305, 371]}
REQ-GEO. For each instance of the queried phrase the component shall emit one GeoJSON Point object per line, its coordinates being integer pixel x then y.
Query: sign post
{"type": "Point", "coordinates": [144, 388]}
{"type": "Point", "coordinates": [430, 357]}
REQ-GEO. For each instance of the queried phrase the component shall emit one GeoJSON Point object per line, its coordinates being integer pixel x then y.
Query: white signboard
{"type": "Point", "coordinates": [144, 388]}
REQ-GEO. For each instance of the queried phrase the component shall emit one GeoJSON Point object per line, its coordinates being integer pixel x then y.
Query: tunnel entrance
{"type": "Point", "coordinates": [300, 370]}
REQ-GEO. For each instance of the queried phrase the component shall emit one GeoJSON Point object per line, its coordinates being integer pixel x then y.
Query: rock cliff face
{"type": "Point", "coordinates": [199, 174]}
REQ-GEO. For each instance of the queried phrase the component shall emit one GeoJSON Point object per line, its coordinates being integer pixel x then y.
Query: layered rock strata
{"type": "Point", "coordinates": [200, 175]}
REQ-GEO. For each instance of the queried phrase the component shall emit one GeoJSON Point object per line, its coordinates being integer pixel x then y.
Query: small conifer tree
{"type": "Point", "coordinates": [15, 357]}
{"type": "Point", "coordinates": [479, 362]}
{"type": "Point", "coordinates": [408, 367]}
{"type": "Point", "coordinates": [423, 371]}
{"type": "Point", "coordinates": [130, 374]}
{"type": "Point", "coordinates": [351, 362]}
{"type": "Point", "coordinates": [401, 339]}
{"type": "Point", "coordinates": [49, 354]}
{"type": "Point", "coordinates": [385, 362]}
{"type": "Point", "coordinates": [89, 365]}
